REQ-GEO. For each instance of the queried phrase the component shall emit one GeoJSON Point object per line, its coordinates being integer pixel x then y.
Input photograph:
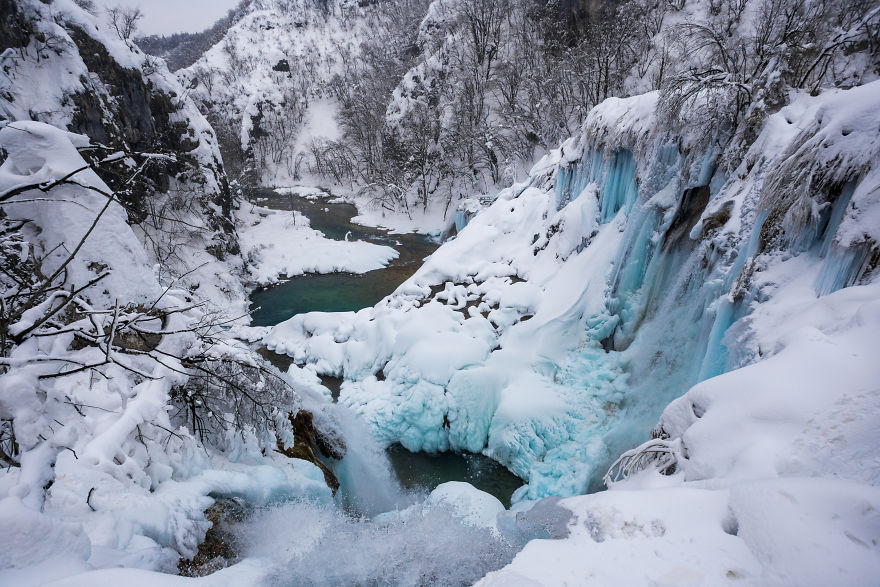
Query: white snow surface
{"type": "Point", "coordinates": [243, 77]}
{"type": "Point", "coordinates": [38, 83]}
{"type": "Point", "coordinates": [106, 476]}
{"type": "Point", "coordinates": [279, 242]}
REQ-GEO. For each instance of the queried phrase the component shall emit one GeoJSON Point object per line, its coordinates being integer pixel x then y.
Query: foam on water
{"type": "Point", "coordinates": [313, 544]}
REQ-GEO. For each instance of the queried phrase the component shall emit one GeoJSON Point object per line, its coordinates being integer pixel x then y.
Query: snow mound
{"type": "Point", "coordinates": [280, 243]}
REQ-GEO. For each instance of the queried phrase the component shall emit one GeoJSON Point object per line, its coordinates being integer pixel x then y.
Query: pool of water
{"type": "Point", "coordinates": [421, 470]}
{"type": "Point", "coordinates": [335, 292]}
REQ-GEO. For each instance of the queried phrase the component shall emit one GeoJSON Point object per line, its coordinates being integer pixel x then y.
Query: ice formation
{"type": "Point", "coordinates": [554, 329]}
{"type": "Point", "coordinates": [630, 284]}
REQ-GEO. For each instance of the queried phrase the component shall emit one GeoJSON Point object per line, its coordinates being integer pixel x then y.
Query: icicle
{"type": "Point", "coordinates": [728, 310]}
{"type": "Point", "coordinates": [835, 217]}
{"type": "Point", "coordinates": [707, 167]}
{"type": "Point", "coordinates": [843, 267]}
{"type": "Point", "coordinates": [619, 187]}
{"type": "Point", "coordinates": [571, 180]}
{"type": "Point", "coordinates": [460, 220]}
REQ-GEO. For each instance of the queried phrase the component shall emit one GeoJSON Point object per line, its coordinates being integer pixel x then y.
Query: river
{"type": "Point", "coordinates": [336, 292]}
{"type": "Point", "coordinates": [339, 292]}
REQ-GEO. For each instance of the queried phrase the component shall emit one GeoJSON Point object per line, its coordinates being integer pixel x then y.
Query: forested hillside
{"type": "Point", "coordinates": [420, 102]}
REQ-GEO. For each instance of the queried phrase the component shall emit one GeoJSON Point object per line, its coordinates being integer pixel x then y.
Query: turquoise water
{"type": "Point", "coordinates": [335, 292]}
{"type": "Point", "coordinates": [421, 470]}
{"type": "Point", "coordinates": [341, 292]}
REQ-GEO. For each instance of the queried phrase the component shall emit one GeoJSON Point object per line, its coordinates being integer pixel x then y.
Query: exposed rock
{"type": "Point", "coordinates": [718, 218]}
{"type": "Point", "coordinates": [135, 115]}
{"type": "Point", "coordinates": [15, 31]}
{"type": "Point", "coordinates": [310, 444]}
{"type": "Point", "coordinates": [693, 202]}
{"type": "Point", "coordinates": [220, 548]}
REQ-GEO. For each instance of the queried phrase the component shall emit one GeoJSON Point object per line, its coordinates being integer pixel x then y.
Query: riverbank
{"type": "Point", "coordinates": [357, 265]}
{"type": "Point", "coordinates": [279, 244]}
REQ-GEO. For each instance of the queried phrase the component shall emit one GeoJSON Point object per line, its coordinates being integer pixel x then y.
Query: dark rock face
{"type": "Point", "coordinates": [221, 547]}
{"type": "Point", "coordinates": [310, 444]}
{"type": "Point", "coordinates": [121, 109]}
{"type": "Point", "coordinates": [718, 219]}
{"type": "Point", "coordinates": [133, 119]}
{"type": "Point", "coordinates": [135, 116]}
{"type": "Point", "coordinates": [15, 31]}
{"type": "Point", "coordinates": [693, 202]}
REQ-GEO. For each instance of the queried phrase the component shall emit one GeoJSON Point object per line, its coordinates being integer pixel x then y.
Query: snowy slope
{"type": "Point", "coordinates": [126, 409]}
{"type": "Point", "coordinates": [104, 449]}
{"type": "Point", "coordinates": [72, 71]}
{"type": "Point", "coordinates": [267, 79]}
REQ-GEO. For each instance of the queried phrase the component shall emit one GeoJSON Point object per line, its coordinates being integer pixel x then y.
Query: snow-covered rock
{"type": "Point", "coordinates": [265, 84]}
{"type": "Point", "coordinates": [70, 70]}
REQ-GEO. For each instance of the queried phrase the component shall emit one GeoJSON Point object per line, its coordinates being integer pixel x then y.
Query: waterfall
{"type": "Point", "coordinates": [367, 484]}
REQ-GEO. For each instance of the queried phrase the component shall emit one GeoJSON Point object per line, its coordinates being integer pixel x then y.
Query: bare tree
{"type": "Point", "coordinates": [222, 386]}
{"type": "Point", "coordinates": [125, 20]}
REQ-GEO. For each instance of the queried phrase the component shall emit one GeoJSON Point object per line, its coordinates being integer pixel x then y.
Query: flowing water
{"type": "Point", "coordinates": [306, 543]}
{"type": "Point", "coordinates": [426, 471]}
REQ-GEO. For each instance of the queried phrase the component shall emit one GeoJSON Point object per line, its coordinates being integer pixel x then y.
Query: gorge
{"type": "Point", "coordinates": [434, 292]}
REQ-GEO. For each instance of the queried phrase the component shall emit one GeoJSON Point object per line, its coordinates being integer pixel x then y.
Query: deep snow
{"type": "Point", "coordinates": [627, 285]}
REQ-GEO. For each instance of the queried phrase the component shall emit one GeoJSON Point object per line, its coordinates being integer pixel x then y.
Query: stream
{"type": "Point", "coordinates": [337, 292]}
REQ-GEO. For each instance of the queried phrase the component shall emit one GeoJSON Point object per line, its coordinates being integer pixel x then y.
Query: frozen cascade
{"type": "Point", "coordinates": [655, 272]}
{"type": "Point", "coordinates": [631, 258]}
{"type": "Point", "coordinates": [616, 176]}
{"type": "Point", "coordinates": [658, 273]}
{"type": "Point", "coordinates": [366, 483]}
{"type": "Point", "coordinates": [376, 533]}
{"type": "Point", "coordinates": [842, 266]}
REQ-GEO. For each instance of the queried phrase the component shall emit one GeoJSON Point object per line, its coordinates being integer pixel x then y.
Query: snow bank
{"type": "Point", "coordinates": [101, 470]}
{"type": "Point", "coordinates": [781, 532]}
{"type": "Point", "coordinates": [76, 73]}
{"type": "Point", "coordinates": [278, 242]}
{"type": "Point", "coordinates": [40, 154]}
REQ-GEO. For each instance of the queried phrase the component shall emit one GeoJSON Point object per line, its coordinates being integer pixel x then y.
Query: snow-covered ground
{"type": "Point", "coordinates": [433, 220]}
{"type": "Point", "coordinates": [627, 289]}
{"type": "Point", "coordinates": [280, 242]}
{"type": "Point", "coordinates": [272, 68]}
